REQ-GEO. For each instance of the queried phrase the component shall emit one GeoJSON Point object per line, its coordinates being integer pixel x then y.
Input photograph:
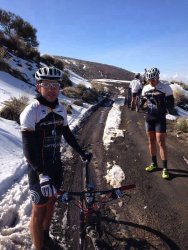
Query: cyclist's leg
{"type": "Point", "coordinates": [151, 134]}
{"type": "Point", "coordinates": [48, 213]}
{"type": "Point", "coordinates": [57, 177]}
{"type": "Point", "coordinates": [161, 138]}
{"type": "Point", "coordinates": [133, 100]}
{"type": "Point", "coordinates": [152, 143]}
{"type": "Point", "coordinates": [161, 141]}
{"type": "Point", "coordinates": [36, 225]}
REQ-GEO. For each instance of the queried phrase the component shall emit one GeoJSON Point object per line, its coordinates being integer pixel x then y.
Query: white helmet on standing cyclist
{"type": "Point", "coordinates": [152, 73]}
{"type": "Point", "coordinates": [48, 73]}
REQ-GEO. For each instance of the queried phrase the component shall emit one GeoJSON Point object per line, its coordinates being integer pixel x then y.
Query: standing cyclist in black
{"type": "Point", "coordinates": [43, 123]}
{"type": "Point", "coordinates": [160, 99]}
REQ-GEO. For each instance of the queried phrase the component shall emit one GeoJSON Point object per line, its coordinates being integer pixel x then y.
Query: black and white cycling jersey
{"type": "Point", "coordinates": [48, 125]}
{"type": "Point", "coordinates": [159, 99]}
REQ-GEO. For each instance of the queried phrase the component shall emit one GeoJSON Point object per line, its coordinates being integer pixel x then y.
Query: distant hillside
{"type": "Point", "coordinates": [93, 70]}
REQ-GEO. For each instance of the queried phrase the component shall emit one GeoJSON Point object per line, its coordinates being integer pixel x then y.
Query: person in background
{"type": "Point", "coordinates": [144, 81]}
{"type": "Point", "coordinates": [159, 99]}
{"type": "Point", "coordinates": [136, 88]}
{"type": "Point", "coordinates": [43, 123]}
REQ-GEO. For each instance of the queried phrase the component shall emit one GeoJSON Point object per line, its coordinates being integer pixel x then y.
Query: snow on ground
{"type": "Point", "coordinates": [78, 79]}
{"type": "Point", "coordinates": [12, 87]}
{"type": "Point", "coordinates": [113, 121]}
{"type": "Point", "coordinates": [15, 204]}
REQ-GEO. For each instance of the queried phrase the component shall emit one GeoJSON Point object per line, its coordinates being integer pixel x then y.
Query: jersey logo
{"type": "Point", "coordinates": [34, 197]}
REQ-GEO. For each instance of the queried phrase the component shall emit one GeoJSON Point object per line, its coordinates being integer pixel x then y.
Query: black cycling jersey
{"type": "Point", "coordinates": [159, 100]}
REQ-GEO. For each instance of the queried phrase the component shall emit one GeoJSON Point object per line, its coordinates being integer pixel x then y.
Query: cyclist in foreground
{"type": "Point", "coordinates": [159, 99]}
{"type": "Point", "coordinates": [43, 123]}
{"type": "Point", "coordinates": [136, 88]}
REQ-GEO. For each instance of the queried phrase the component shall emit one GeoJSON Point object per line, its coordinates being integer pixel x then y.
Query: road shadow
{"type": "Point", "coordinates": [174, 173]}
{"type": "Point", "coordinates": [140, 236]}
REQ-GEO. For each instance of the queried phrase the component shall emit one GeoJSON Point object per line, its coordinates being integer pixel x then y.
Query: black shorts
{"type": "Point", "coordinates": [158, 125]}
{"type": "Point", "coordinates": [55, 172]}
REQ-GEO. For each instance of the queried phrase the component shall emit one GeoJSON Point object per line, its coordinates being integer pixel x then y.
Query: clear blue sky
{"type": "Point", "coordinates": [131, 34]}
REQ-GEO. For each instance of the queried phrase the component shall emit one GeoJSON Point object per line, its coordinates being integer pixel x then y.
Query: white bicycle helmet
{"type": "Point", "coordinates": [48, 73]}
{"type": "Point", "coordinates": [152, 73]}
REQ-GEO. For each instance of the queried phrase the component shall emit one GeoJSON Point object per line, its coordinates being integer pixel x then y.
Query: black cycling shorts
{"type": "Point", "coordinates": [56, 173]}
{"type": "Point", "coordinates": [156, 125]}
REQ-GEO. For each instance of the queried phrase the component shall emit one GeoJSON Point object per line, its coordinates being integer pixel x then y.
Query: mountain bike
{"type": "Point", "coordinates": [90, 201]}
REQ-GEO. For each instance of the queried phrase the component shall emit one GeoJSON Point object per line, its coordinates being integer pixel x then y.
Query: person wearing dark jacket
{"type": "Point", "coordinates": [160, 100]}
{"type": "Point", "coordinates": [43, 123]}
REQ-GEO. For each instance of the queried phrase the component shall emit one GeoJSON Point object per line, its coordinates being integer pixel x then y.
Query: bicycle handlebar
{"type": "Point", "coordinates": [99, 192]}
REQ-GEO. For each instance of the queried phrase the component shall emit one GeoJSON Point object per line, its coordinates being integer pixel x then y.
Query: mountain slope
{"type": "Point", "coordinates": [93, 70]}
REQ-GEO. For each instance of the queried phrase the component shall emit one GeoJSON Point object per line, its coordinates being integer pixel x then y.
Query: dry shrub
{"type": "Point", "coordinates": [81, 92]}
{"type": "Point", "coordinates": [182, 125]}
{"type": "Point", "coordinates": [179, 96]}
{"type": "Point", "coordinates": [71, 92]}
{"type": "Point", "coordinates": [13, 108]}
{"type": "Point", "coordinates": [2, 53]}
{"type": "Point", "coordinates": [4, 66]}
{"type": "Point", "coordinates": [78, 103]}
{"type": "Point", "coordinates": [89, 96]}
{"type": "Point", "coordinates": [97, 86]}
{"type": "Point", "coordinates": [69, 109]}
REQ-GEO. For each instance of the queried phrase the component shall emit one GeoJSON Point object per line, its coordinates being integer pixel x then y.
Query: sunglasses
{"type": "Point", "coordinates": [48, 85]}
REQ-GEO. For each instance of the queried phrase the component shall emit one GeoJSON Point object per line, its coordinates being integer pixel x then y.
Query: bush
{"type": "Point", "coordinates": [71, 92]}
{"type": "Point", "coordinates": [13, 108]}
{"type": "Point", "coordinates": [78, 103]}
{"type": "Point", "coordinates": [51, 61]}
{"type": "Point", "coordinates": [81, 88]}
{"type": "Point", "coordinates": [179, 97]}
{"type": "Point", "coordinates": [182, 125]}
{"type": "Point", "coordinates": [97, 87]}
{"type": "Point", "coordinates": [89, 96]}
{"type": "Point", "coordinates": [68, 107]}
{"type": "Point", "coordinates": [81, 92]}
{"type": "Point", "coordinates": [183, 85]}
{"type": "Point", "coordinates": [2, 53]}
{"type": "Point", "coordinates": [66, 82]}
{"type": "Point", "coordinates": [4, 66]}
